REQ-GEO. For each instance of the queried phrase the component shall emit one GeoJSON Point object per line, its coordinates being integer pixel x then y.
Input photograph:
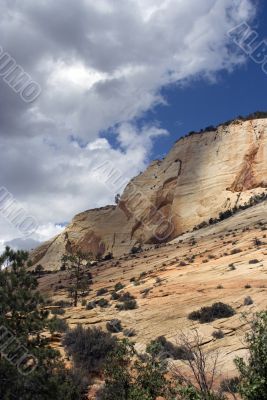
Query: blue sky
{"type": "Point", "coordinates": [202, 103]}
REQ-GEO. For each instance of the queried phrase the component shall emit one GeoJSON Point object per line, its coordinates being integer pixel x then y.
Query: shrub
{"type": "Point", "coordinates": [115, 296]}
{"type": "Point", "coordinates": [114, 326]}
{"type": "Point", "coordinates": [126, 296]}
{"type": "Point", "coordinates": [247, 286]}
{"type": "Point", "coordinates": [118, 286]}
{"type": "Point", "coordinates": [218, 334]}
{"type": "Point", "coordinates": [57, 325]}
{"type": "Point", "coordinates": [129, 332]}
{"type": "Point", "coordinates": [209, 314]}
{"type": "Point", "coordinates": [89, 347]}
{"type": "Point", "coordinates": [144, 379]}
{"type": "Point", "coordinates": [127, 305]}
{"type": "Point", "coordinates": [91, 305]}
{"type": "Point", "coordinates": [230, 385]}
{"type": "Point", "coordinates": [57, 311]}
{"type": "Point", "coordinates": [108, 256]}
{"type": "Point", "coordinates": [102, 303]}
{"type": "Point", "coordinates": [162, 348]}
{"type": "Point", "coordinates": [253, 261]}
{"type": "Point", "coordinates": [135, 249]}
{"type": "Point", "coordinates": [84, 302]}
{"type": "Point", "coordinates": [102, 291]}
{"type": "Point", "coordinates": [253, 383]}
{"type": "Point", "coordinates": [248, 301]}
{"type": "Point", "coordinates": [232, 267]}
{"type": "Point", "coordinates": [62, 303]}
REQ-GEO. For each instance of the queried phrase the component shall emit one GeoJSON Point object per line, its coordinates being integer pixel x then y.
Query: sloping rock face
{"type": "Point", "coordinates": [203, 175]}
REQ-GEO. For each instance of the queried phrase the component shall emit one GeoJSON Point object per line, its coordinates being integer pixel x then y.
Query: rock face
{"type": "Point", "coordinates": [203, 175]}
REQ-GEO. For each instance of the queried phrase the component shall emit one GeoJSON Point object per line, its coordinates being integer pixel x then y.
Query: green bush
{"type": "Point", "coordinates": [103, 303]}
{"type": "Point", "coordinates": [57, 325]}
{"type": "Point", "coordinates": [162, 348]}
{"type": "Point", "coordinates": [91, 305]}
{"type": "Point", "coordinates": [127, 305]}
{"type": "Point", "coordinates": [57, 311]}
{"type": "Point", "coordinates": [89, 347]}
{"type": "Point", "coordinates": [102, 291]}
{"type": "Point", "coordinates": [118, 286]}
{"type": "Point", "coordinates": [253, 373]}
{"type": "Point", "coordinates": [209, 314]}
{"type": "Point", "coordinates": [114, 326]}
{"type": "Point", "coordinates": [218, 334]}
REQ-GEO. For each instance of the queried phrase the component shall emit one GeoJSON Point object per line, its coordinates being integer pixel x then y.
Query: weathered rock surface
{"type": "Point", "coordinates": [171, 280]}
{"type": "Point", "coordinates": [202, 175]}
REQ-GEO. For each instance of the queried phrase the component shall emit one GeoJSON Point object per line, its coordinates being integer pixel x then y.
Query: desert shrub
{"type": "Point", "coordinates": [220, 286]}
{"type": "Point", "coordinates": [108, 256]}
{"type": "Point", "coordinates": [218, 334]}
{"type": "Point", "coordinates": [115, 296]}
{"type": "Point", "coordinates": [102, 291]}
{"type": "Point", "coordinates": [57, 325]}
{"type": "Point", "coordinates": [209, 314]}
{"type": "Point", "coordinates": [57, 311]}
{"type": "Point", "coordinates": [129, 332]}
{"type": "Point", "coordinates": [253, 261]}
{"type": "Point", "coordinates": [89, 347]}
{"type": "Point", "coordinates": [182, 264]}
{"type": "Point", "coordinates": [126, 296]}
{"type": "Point", "coordinates": [136, 249]}
{"type": "Point", "coordinates": [162, 348]}
{"type": "Point", "coordinates": [235, 251]}
{"type": "Point", "coordinates": [91, 305]}
{"type": "Point", "coordinates": [102, 303]}
{"type": "Point", "coordinates": [248, 301]}
{"type": "Point", "coordinates": [230, 385]}
{"type": "Point", "coordinates": [232, 267]}
{"type": "Point", "coordinates": [114, 326]}
{"type": "Point", "coordinates": [62, 303]}
{"type": "Point", "coordinates": [247, 286]}
{"type": "Point", "coordinates": [127, 305]}
{"type": "Point", "coordinates": [142, 275]}
{"type": "Point", "coordinates": [83, 303]}
{"type": "Point", "coordinates": [118, 286]}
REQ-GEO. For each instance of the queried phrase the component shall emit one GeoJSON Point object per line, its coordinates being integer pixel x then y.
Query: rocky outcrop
{"type": "Point", "coordinates": [203, 174]}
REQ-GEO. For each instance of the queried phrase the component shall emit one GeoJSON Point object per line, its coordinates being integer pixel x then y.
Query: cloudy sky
{"type": "Point", "coordinates": [119, 82]}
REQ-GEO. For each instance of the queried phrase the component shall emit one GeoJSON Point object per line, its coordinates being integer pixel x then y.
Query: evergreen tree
{"type": "Point", "coordinates": [29, 367]}
{"type": "Point", "coordinates": [80, 278]}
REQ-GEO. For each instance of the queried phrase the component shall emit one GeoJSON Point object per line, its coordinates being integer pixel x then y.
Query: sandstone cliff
{"type": "Point", "coordinates": [202, 175]}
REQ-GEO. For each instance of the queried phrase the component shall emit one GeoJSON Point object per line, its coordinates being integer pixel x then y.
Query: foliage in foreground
{"type": "Point", "coordinates": [253, 374]}
{"type": "Point", "coordinates": [22, 314]}
{"type": "Point", "coordinates": [131, 376]}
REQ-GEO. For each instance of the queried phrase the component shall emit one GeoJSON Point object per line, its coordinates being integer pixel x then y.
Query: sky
{"type": "Point", "coordinates": [112, 83]}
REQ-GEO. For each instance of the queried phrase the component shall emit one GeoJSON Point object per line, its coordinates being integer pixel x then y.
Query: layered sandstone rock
{"type": "Point", "coordinates": [203, 175]}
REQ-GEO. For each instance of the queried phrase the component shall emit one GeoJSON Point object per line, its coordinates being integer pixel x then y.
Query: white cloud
{"type": "Point", "coordinates": [101, 66]}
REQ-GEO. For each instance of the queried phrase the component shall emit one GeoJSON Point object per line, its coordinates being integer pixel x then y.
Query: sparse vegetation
{"type": "Point", "coordinates": [102, 291]}
{"type": "Point", "coordinates": [163, 349]}
{"type": "Point", "coordinates": [80, 278]}
{"type": "Point", "coordinates": [253, 373]}
{"type": "Point", "coordinates": [89, 347]}
{"type": "Point", "coordinates": [248, 301]}
{"type": "Point", "coordinates": [218, 334]}
{"type": "Point", "coordinates": [114, 326]}
{"type": "Point", "coordinates": [209, 314]}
